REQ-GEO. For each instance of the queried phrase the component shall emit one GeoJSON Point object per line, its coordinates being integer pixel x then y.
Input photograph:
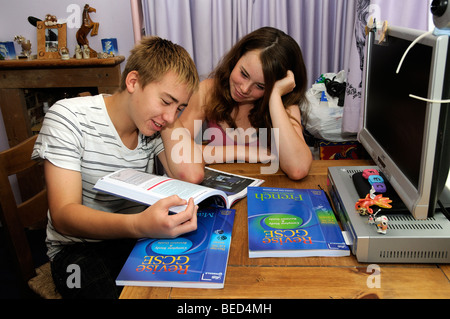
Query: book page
{"type": "Point", "coordinates": [147, 188]}
{"type": "Point", "coordinates": [132, 177]}
{"type": "Point", "coordinates": [229, 183]}
{"type": "Point", "coordinates": [184, 190]}
{"type": "Point", "coordinates": [235, 186]}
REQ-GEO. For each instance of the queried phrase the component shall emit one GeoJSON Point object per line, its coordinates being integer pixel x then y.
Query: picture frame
{"type": "Point", "coordinates": [7, 50]}
{"type": "Point", "coordinates": [51, 39]}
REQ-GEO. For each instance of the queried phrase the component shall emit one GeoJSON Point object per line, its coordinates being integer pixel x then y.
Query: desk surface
{"type": "Point", "coordinates": [312, 277]}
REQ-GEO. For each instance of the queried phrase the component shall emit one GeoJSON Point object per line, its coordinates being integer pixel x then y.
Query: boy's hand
{"type": "Point", "coordinates": [155, 221]}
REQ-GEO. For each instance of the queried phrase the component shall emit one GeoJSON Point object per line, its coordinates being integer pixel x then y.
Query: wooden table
{"type": "Point", "coordinates": [314, 277]}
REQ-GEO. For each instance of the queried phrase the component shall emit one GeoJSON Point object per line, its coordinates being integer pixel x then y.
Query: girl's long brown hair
{"type": "Point", "coordinates": [279, 53]}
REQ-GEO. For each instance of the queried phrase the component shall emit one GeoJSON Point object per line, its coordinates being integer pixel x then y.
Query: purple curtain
{"type": "Point", "coordinates": [330, 32]}
{"type": "Point", "coordinates": [208, 28]}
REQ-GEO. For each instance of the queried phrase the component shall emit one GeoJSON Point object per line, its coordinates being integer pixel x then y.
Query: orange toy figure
{"type": "Point", "coordinates": [363, 205]}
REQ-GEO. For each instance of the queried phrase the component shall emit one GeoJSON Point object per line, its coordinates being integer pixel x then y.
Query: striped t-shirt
{"type": "Point", "coordinates": [77, 134]}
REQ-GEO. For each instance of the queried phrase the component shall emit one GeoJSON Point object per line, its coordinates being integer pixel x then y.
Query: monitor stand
{"type": "Point", "coordinates": [407, 240]}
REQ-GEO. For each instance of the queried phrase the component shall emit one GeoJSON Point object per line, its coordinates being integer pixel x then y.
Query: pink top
{"type": "Point", "coordinates": [220, 137]}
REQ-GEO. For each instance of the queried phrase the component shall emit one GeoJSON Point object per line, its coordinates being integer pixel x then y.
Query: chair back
{"type": "Point", "coordinates": [31, 210]}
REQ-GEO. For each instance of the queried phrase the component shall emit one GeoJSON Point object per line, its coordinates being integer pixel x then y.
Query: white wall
{"type": "Point", "coordinates": [114, 17]}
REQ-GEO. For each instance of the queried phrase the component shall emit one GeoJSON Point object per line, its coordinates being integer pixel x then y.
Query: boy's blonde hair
{"type": "Point", "coordinates": [153, 57]}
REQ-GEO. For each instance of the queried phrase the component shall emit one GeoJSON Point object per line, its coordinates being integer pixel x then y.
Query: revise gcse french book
{"type": "Point", "coordinates": [219, 188]}
{"type": "Point", "coordinates": [195, 260]}
{"type": "Point", "coordinates": [285, 222]}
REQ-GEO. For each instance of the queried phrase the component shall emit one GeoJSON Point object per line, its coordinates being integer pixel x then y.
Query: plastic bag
{"type": "Point", "coordinates": [323, 115]}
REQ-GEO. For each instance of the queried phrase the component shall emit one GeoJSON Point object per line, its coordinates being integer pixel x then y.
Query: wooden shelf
{"type": "Point", "coordinates": [58, 63]}
{"type": "Point", "coordinates": [16, 76]}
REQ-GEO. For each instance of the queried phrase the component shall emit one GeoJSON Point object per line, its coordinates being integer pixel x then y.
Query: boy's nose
{"type": "Point", "coordinates": [170, 116]}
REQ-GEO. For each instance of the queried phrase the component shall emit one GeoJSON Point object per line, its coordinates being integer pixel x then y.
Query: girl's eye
{"type": "Point", "coordinates": [181, 108]}
{"type": "Point", "coordinates": [165, 102]}
{"type": "Point", "coordinates": [261, 87]}
{"type": "Point", "coordinates": [245, 75]}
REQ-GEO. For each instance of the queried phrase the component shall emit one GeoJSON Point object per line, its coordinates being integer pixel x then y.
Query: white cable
{"type": "Point", "coordinates": [401, 62]}
{"type": "Point", "coordinates": [428, 100]}
{"type": "Point", "coordinates": [410, 46]}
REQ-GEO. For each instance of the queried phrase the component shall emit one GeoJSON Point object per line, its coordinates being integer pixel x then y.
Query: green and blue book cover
{"type": "Point", "coordinates": [195, 260]}
{"type": "Point", "coordinates": [285, 222]}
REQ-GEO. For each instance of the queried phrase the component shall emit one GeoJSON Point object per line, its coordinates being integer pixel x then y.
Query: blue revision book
{"type": "Point", "coordinates": [195, 260]}
{"type": "Point", "coordinates": [284, 222]}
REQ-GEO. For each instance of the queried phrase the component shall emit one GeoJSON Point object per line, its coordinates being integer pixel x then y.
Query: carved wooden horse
{"type": "Point", "coordinates": [88, 26]}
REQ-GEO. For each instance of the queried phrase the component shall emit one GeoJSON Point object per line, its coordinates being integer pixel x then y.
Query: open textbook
{"type": "Point", "coordinates": [194, 260]}
{"type": "Point", "coordinates": [218, 188]}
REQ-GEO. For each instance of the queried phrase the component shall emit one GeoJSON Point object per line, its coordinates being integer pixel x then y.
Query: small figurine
{"type": "Point", "coordinates": [363, 205]}
{"type": "Point", "coordinates": [25, 44]}
{"type": "Point", "coordinates": [64, 53]}
{"type": "Point", "coordinates": [380, 222]}
{"type": "Point", "coordinates": [86, 52]}
{"type": "Point", "coordinates": [102, 55]}
{"type": "Point", "coordinates": [87, 27]}
{"type": "Point", "coordinates": [379, 29]}
{"type": "Point", "coordinates": [78, 52]}
{"type": "Point", "coordinates": [50, 20]}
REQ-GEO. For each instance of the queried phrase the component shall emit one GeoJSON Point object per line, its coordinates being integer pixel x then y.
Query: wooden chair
{"type": "Point", "coordinates": [17, 218]}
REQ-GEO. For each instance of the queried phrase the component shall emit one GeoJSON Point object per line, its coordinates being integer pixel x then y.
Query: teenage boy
{"type": "Point", "coordinates": [89, 233]}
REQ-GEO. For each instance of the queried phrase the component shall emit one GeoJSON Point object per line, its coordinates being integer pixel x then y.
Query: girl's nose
{"type": "Point", "coordinates": [245, 87]}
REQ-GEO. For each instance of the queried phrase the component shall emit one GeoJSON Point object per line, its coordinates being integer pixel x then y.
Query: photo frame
{"type": "Point", "coordinates": [7, 51]}
{"type": "Point", "coordinates": [51, 39]}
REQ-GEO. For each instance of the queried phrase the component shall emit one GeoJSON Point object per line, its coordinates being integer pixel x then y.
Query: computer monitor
{"type": "Point", "coordinates": [408, 138]}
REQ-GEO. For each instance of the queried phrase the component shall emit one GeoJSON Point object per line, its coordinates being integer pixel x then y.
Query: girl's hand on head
{"type": "Point", "coordinates": [285, 85]}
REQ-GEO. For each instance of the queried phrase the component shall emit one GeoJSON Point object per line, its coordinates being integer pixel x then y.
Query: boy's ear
{"type": "Point", "coordinates": [131, 81]}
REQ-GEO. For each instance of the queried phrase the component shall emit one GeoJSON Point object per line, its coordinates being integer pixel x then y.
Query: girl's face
{"type": "Point", "coordinates": [247, 79]}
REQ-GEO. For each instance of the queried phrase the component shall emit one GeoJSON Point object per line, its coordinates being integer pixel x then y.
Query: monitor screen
{"type": "Point", "coordinates": [407, 137]}
{"type": "Point", "coordinates": [395, 120]}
